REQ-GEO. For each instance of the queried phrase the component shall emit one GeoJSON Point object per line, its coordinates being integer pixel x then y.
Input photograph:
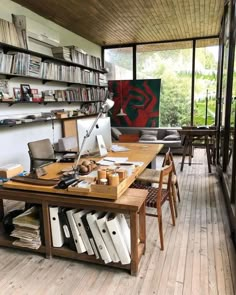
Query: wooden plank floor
{"type": "Point", "coordinates": [199, 257]}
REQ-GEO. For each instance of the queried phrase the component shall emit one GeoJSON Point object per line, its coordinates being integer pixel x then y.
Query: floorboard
{"type": "Point", "coordinates": [199, 256]}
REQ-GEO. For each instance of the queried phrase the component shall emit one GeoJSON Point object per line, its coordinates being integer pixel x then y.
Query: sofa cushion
{"type": "Point", "coordinates": [171, 137]}
{"type": "Point", "coordinates": [115, 133]}
{"type": "Point", "coordinates": [172, 132]}
{"type": "Point", "coordinates": [148, 137]}
{"type": "Point", "coordinates": [149, 132]}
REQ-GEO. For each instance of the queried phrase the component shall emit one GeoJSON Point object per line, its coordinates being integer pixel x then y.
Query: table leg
{"type": "Point", "coordinates": [184, 153]}
{"type": "Point", "coordinates": [134, 242]}
{"type": "Point", "coordinates": [208, 154]}
{"type": "Point", "coordinates": [142, 226]}
{"type": "Point", "coordinates": [47, 229]}
{"type": "Point", "coordinates": [190, 144]}
{"type": "Point", "coordinates": [1, 209]}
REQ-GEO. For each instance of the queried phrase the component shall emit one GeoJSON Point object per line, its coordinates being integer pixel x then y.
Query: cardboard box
{"type": "Point", "coordinates": [10, 170]}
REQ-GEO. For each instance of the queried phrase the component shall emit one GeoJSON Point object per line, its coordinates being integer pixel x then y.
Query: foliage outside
{"type": "Point", "coordinates": [174, 68]}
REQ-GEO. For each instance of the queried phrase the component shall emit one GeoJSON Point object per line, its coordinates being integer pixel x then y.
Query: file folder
{"type": "Point", "coordinates": [116, 234]}
{"type": "Point", "coordinates": [78, 219]}
{"type": "Point", "coordinates": [56, 229]}
{"type": "Point", "coordinates": [90, 235]}
{"type": "Point", "coordinates": [92, 218]}
{"type": "Point", "coordinates": [101, 223]}
{"type": "Point", "coordinates": [125, 231]}
{"type": "Point", "coordinates": [67, 233]}
{"type": "Point", "coordinates": [75, 232]}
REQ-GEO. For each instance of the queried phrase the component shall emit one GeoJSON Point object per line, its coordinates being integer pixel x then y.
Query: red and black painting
{"type": "Point", "coordinates": [139, 101]}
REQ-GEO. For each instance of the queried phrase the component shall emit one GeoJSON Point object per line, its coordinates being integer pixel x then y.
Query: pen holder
{"type": "Point", "coordinates": [114, 179]}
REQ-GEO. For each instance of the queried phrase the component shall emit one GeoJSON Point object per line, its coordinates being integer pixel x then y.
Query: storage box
{"type": "Point", "coordinates": [10, 170]}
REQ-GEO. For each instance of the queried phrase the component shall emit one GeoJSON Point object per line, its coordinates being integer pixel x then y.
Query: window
{"type": "Point", "coordinates": [206, 62]}
{"type": "Point", "coordinates": [119, 62]}
{"type": "Point", "coordinates": [172, 63]}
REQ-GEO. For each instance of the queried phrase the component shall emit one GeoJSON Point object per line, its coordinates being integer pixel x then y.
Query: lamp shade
{"type": "Point", "coordinates": [121, 113]}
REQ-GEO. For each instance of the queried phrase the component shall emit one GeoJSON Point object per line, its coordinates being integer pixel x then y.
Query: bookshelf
{"type": "Point", "coordinates": [7, 47]}
{"type": "Point", "coordinates": [28, 64]}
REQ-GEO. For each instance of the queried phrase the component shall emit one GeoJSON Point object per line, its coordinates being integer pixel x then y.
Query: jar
{"type": "Point", "coordinates": [103, 181]}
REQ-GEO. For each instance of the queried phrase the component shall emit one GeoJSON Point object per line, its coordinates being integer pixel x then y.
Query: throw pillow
{"type": "Point", "coordinates": [149, 132]}
{"type": "Point", "coordinates": [172, 132]}
{"type": "Point", "coordinates": [115, 133]}
{"type": "Point", "coordinates": [161, 133]}
{"type": "Point", "coordinates": [171, 137]}
{"type": "Point", "coordinates": [148, 137]}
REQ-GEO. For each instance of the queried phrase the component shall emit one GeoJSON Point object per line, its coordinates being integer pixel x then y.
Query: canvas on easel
{"type": "Point", "coordinates": [101, 146]}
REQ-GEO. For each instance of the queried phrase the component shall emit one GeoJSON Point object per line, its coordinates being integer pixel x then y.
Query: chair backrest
{"type": "Point", "coordinates": [41, 149]}
{"type": "Point", "coordinates": [167, 159]}
{"type": "Point", "coordinates": [67, 143]}
{"type": "Point", "coordinates": [165, 171]}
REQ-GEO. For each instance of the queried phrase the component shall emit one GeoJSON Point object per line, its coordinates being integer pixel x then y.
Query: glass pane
{"type": "Point", "coordinates": [229, 168]}
{"type": "Point", "coordinates": [119, 62]}
{"type": "Point", "coordinates": [224, 83]}
{"type": "Point", "coordinates": [206, 63]}
{"type": "Point", "coordinates": [172, 63]}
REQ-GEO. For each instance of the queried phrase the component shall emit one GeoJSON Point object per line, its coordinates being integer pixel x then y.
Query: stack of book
{"type": "Point", "coordinates": [27, 229]}
{"type": "Point", "coordinates": [5, 62]}
{"type": "Point", "coordinates": [61, 52]}
{"type": "Point", "coordinates": [8, 33]}
{"type": "Point", "coordinates": [103, 234]}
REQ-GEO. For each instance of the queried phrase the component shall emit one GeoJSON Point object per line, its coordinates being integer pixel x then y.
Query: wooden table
{"type": "Point", "coordinates": [191, 135]}
{"type": "Point", "coordinates": [132, 202]}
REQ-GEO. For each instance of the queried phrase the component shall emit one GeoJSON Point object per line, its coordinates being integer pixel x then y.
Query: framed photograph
{"type": "Point", "coordinates": [26, 94]}
{"type": "Point", "coordinates": [17, 93]}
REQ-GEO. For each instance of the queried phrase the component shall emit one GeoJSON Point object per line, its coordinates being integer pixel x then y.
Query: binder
{"type": "Point", "coordinates": [75, 232]}
{"type": "Point", "coordinates": [90, 235]}
{"type": "Point", "coordinates": [114, 229]}
{"type": "Point", "coordinates": [81, 228]}
{"type": "Point", "coordinates": [92, 218]}
{"type": "Point", "coordinates": [67, 233]}
{"type": "Point", "coordinates": [56, 229]}
{"type": "Point", "coordinates": [125, 231]}
{"type": "Point", "coordinates": [101, 223]}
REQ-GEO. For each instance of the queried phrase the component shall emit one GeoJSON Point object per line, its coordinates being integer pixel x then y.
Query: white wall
{"type": "Point", "coordinates": [13, 140]}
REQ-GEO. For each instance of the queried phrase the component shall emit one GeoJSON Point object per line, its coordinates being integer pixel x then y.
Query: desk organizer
{"type": "Point", "coordinates": [101, 191]}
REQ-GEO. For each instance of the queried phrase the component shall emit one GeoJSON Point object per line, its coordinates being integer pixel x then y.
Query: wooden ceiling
{"type": "Point", "coordinates": [110, 22]}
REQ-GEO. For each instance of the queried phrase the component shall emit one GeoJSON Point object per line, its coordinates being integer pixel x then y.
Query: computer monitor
{"type": "Point", "coordinates": [103, 127]}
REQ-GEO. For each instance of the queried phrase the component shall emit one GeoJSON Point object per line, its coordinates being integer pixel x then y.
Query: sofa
{"type": "Point", "coordinates": [168, 136]}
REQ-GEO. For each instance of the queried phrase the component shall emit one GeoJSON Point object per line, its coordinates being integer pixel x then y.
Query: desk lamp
{"type": "Point", "coordinates": [105, 107]}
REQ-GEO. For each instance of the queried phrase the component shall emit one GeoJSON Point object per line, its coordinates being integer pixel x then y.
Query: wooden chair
{"type": "Point", "coordinates": [153, 176]}
{"type": "Point", "coordinates": [158, 196]}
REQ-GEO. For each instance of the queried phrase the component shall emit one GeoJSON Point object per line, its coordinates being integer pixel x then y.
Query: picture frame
{"type": "Point", "coordinates": [26, 94]}
{"type": "Point", "coordinates": [17, 93]}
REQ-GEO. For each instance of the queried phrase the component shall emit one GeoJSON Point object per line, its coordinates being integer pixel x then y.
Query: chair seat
{"type": "Point", "coordinates": [153, 176]}
{"type": "Point", "coordinates": [151, 200]}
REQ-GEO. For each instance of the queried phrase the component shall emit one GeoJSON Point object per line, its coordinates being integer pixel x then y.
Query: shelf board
{"type": "Point", "coordinates": [47, 120]}
{"type": "Point", "coordinates": [47, 57]}
{"type": "Point", "coordinates": [46, 102]}
{"type": "Point", "coordinates": [9, 76]}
